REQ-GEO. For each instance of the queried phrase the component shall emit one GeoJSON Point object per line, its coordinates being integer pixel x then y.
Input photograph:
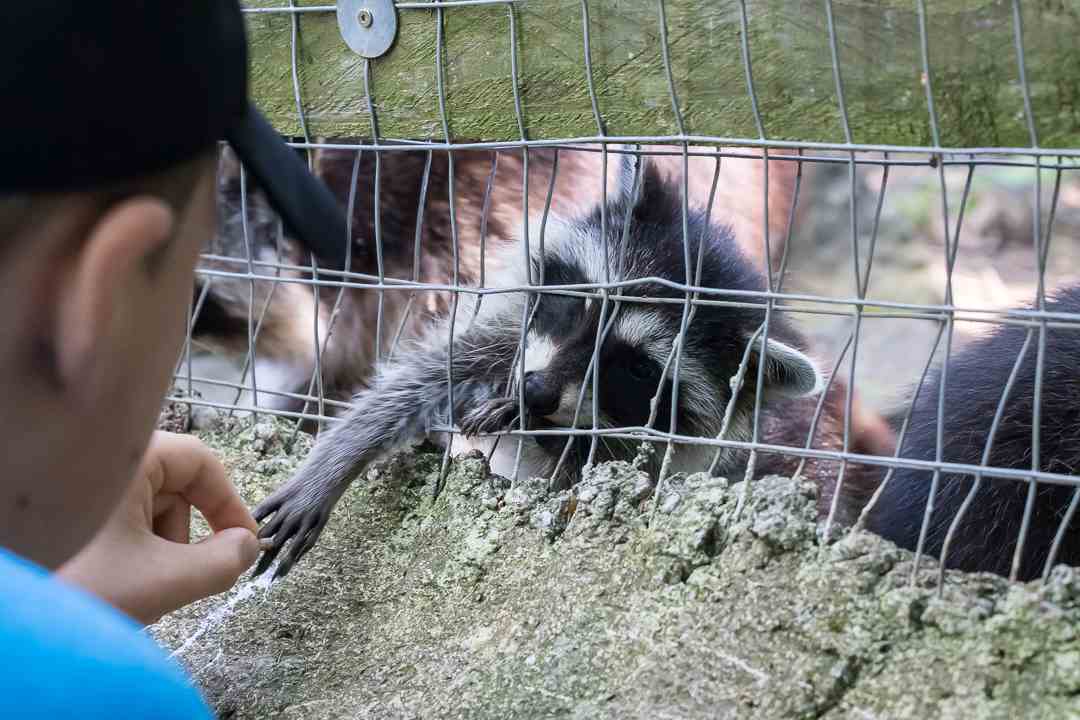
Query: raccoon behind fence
{"type": "Point", "coordinates": [409, 396]}
{"type": "Point", "coordinates": [414, 193]}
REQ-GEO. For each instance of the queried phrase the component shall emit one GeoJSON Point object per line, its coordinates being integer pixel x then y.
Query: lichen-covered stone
{"type": "Point", "coordinates": [175, 417]}
{"type": "Point", "coordinates": [717, 600]}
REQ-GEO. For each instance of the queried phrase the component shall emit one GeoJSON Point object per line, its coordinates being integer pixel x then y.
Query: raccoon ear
{"type": "Point", "coordinates": [657, 201]}
{"type": "Point", "coordinates": [788, 371]}
{"type": "Point", "coordinates": [628, 179]}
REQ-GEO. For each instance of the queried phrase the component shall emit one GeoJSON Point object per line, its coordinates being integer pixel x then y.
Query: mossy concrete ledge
{"type": "Point", "coordinates": [497, 602]}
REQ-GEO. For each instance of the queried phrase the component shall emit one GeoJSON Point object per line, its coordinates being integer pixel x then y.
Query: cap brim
{"type": "Point", "coordinates": [310, 212]}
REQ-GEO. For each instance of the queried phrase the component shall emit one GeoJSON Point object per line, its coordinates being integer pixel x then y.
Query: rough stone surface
{"type": "Point", "coordinates": [176, 416]}
{"type": "Point", "coordinates": [497, 602]}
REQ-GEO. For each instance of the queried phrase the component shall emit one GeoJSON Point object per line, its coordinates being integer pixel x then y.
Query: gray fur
{"type": "Point", "coordinates": [407, 400]}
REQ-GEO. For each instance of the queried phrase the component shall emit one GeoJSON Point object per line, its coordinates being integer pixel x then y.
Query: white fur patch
{"type": "Point", "coordinates": [277, 376]}
{"type": "Point", "coordinates": [270, 376]}
{"type": "Point", "coordinates": [297, 310]}
{"type": "Point", "coordinates": [576, 248]}
{"type": "Point", "coordinates": [212, 367]}
{"type": "Point", "coordinates": [648, 331]}
{"type": "Point", "coordinates": [539, 352]}
{"type": "Point", "coordinates": [689, 459]}
{"type": "Point", "coordinates": [534, 461]}
{"type": "Point", "coordinates": [502, 310]}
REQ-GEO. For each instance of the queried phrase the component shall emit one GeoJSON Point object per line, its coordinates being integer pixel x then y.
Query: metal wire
{"type": "Point", "coordinates": [917, 311]}
{"type": "Point", "coordinates": [526, 254]}
{"type": "Point", "coordinates": [293, 10]}
{"type": "Point", "coordinates": [930, 157]}
{"type": "Point", "coordinates": [860, 310]}
{"type": "Point", "coordinates": [251, 294]}
{"type": "Point", "coordinates": [456, 275]}
{"type": "Point", "coordinates": [408, 145]}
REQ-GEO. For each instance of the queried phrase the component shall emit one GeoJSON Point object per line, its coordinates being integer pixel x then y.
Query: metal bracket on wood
{"type": "Point", "coordinates": [368, 26]}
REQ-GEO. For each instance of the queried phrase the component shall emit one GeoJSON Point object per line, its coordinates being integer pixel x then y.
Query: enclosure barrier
{"type": "Point", "coordinates": [956, 84]}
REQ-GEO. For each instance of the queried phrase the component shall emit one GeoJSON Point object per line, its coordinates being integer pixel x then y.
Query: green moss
{"type": "Point", "coordinates": [498, 602]}
{"type": "Point", "coordinates": [974, 72]}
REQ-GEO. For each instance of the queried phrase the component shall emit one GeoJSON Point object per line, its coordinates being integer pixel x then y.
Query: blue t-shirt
{"type": "Point", "coordinates": [64, 653]}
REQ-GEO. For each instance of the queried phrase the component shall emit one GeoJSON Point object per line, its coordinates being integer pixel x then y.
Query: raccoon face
{"type": "Point", "coordinates": [639, 323]}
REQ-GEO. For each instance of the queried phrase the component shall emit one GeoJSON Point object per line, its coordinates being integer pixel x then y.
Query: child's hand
{"type": "Point", "coordinates": [141, 561]}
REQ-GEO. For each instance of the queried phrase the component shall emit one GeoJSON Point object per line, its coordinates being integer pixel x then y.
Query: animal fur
{"type": "Point", "coordinates": [409, 397]}
{"type": "Point", "coordinates": [986, 536]}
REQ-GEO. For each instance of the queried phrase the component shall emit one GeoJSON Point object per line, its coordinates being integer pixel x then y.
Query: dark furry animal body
{"type": "Point", "coordinates": [409, 398]}
{"type": "Point", "coordinates": [986, 537]}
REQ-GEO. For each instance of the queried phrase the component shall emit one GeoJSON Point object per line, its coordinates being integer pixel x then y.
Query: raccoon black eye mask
{"type": "Point", "coordinates": [409, 399]}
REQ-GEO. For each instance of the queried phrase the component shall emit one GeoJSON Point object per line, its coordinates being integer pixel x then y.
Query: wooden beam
{"type": "Point", "coordinates": [974, 72]}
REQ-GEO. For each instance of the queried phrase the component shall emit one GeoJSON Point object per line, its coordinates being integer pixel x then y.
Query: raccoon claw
{"type": "Point", "coordinates": [297, 521]}
{"type": "Point", "coordinates": [491, 416]}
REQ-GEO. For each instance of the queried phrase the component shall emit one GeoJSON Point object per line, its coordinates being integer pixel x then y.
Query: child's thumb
{"type": "Point", "coordinates": [213, 565]}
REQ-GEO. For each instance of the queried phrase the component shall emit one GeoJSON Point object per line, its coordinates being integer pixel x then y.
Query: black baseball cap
{"type": "Point", "coordinates": [99, 92]}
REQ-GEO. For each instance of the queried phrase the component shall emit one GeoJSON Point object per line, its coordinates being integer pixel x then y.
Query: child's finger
{"type": "Point", "coordinates": [172, 518]}
{"type": "Point", "coordinates": [206, 568]}
{"type": "Point", "coordinates": [183, 465]}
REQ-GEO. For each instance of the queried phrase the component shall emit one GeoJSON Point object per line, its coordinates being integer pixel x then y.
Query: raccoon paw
{"type": "Point", "coordinates": [298, 518]}
{"type": "Point", "coordinates": [490, 416]}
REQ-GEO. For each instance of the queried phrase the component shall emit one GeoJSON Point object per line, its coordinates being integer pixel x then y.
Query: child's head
{"type": "Point", "coordinates": [94, 287]}
{"type": "Point", "coordinates": [102, 217]}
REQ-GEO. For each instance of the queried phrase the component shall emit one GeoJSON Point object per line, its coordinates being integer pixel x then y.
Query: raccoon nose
{"type": "Point", "coordinates": [541, 396]}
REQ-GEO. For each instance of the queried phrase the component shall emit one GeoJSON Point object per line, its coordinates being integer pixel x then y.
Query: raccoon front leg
{"type": "Point", "coordinates": [405, 401]}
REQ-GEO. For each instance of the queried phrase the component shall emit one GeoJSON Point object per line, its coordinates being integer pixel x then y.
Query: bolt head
{"type": "Point", "coordinates": [368, 27]}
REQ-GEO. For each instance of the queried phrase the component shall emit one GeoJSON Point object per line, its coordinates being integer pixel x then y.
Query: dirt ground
{"type": "Point", "coordinates": [995, 264]}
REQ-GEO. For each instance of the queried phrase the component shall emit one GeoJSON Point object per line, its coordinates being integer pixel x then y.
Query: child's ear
{"type": "Point", "coordinates": [788, 371]}
{"type": "Point", "coordinates": [107, 278]}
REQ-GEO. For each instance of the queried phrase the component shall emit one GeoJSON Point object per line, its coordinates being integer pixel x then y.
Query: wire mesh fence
{"type": "Point", "coordinates": [848, 241]}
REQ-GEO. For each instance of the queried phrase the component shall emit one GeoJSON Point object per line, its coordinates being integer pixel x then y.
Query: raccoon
{"type": "Point", "coordinates": [642, 249]}
{"type": "Point", "coordinates": [986, 536]}
{"type": "Point", "coordinates": [289, 315]}
{"type": "Point", "coordinates": [285, 314]}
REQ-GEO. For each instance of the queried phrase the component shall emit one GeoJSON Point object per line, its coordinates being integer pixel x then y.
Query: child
{"type": "Point", "coordinates": [112, 114]}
